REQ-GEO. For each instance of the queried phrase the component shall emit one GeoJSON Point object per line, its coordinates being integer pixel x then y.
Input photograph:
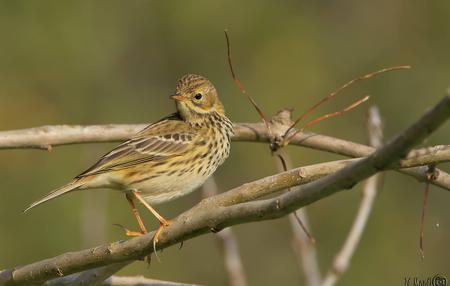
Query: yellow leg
{"type": "Point", "coordinates": [163, 222]}
{"type": "Point", "coordinates": [138, 218]}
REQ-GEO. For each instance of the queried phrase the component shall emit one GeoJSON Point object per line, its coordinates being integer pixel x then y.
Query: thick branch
{"type": "Point", "coordinates": [210, 214]}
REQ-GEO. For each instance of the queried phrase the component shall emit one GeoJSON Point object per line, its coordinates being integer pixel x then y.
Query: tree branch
{"type": "Point", "coordinates": [419, 157]}
{"type": "Point", "coordinates": [46, 137]}
{"type": "Point", "coordinates": [211, 214]}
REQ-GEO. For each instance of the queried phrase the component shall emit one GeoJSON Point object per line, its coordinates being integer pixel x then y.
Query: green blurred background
{"type": "Point", "coordinates": [96, 62]}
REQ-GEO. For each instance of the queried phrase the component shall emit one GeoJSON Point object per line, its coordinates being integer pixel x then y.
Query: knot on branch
{"type": "Point", "coordinates": [279, 125]}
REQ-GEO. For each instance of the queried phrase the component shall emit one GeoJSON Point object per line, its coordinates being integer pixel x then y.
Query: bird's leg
{"type": "Point", "coordinates": [163, 222]}
{"type": "Point", "coordinates": [138, 218]}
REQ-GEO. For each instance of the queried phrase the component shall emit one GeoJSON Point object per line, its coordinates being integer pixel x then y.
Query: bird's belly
{"type": "Point", "coordinates": [165, 188]}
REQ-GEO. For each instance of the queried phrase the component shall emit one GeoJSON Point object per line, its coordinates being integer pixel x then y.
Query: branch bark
{"type": "Point", "coordinates": [213, 213]}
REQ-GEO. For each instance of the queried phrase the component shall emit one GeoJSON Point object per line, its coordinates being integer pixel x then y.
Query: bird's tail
{"type": "Point", "coordinates": [72, 186]}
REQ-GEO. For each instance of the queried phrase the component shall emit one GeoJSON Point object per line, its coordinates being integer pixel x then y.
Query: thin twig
{"type": "Point", "coordinates": [302, 242]}
{"type": "Point", "coordinates": [324, 117]}
{"type": "Point", "coordinates": [340, 89]}
{"type": "Point", "coordinates": [371, 188]}
{"type": "Point", "coordinates": [211, 214]}
{"type": "Point", "coordinates": [241, 86]}
{"type": "Point", "coordinates": [283, 168]}
{"type": "Point", "coordinates": [228, 243]}
{"type": "Point", "coordinates": [431, 174]}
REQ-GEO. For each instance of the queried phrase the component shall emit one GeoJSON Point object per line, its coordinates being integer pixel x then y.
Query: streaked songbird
{"type": "Point", "coordinates": [167, 159]}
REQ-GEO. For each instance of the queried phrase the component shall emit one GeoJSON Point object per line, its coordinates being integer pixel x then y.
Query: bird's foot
{"type": "Point", "coordinates": [130, 232]}
{"type": "Point", "coordinates": [163, 224]}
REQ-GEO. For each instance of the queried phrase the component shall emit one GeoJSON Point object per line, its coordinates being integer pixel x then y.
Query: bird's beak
{"type": "Point", "coordinates": [178, 97]}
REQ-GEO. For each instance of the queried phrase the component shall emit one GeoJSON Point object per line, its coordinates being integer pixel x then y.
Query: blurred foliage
{"type": "Point", "coordinates": [92, 62]}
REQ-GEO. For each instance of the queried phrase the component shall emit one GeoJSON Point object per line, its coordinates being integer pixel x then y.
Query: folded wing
{"type": "Point", "coordinates": [159, 141]}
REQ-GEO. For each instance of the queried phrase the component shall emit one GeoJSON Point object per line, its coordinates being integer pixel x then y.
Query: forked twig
{"type": "Point", "coordinates": [264, 119]}
{"type": "Point", "coordinates": [346, 85]}
{"type": "Point", "coordinates": [274, 146]}
{"type": "Point", "coordinates": [324, 117]}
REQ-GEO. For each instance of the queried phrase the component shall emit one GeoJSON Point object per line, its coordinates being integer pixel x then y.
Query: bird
{"type": "Point", "coordinates": [167, 159]}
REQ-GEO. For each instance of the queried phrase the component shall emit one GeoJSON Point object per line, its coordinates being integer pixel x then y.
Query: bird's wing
{"type": "Point", "coordinates": [157, 142]}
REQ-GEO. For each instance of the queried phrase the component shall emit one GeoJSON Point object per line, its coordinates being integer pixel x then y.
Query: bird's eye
{"type": "Point", "coordinates": [198, 96]}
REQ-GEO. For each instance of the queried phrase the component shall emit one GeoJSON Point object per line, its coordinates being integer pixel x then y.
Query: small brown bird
{"type": "Point", "coordinates": [167, 159]}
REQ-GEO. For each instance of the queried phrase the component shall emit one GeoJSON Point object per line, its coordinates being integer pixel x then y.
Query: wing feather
{"type": "Point", "coordinates": [164, 139]}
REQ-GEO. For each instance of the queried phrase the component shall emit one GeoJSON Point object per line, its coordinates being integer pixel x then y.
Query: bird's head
{"type": "Point", "coordinates": [196, 97]}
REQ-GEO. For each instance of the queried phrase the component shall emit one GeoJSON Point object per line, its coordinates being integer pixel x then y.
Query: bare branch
{"type": "Point", "coordinates": [46, 137]}
{"type": "Point", "coordinates": [371, 187]}
{"type": "Point", "coordinates": [55, 135]}
{"type": "Point", "coordinates": [418, 157]}
{"type": "Point", "coordinates": [212, 213]}
{"type": "Point", "coordinates": [228, 243]}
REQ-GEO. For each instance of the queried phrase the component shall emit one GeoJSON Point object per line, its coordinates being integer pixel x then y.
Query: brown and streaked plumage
{"type": "Point", "coordinates": [167, 159]}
